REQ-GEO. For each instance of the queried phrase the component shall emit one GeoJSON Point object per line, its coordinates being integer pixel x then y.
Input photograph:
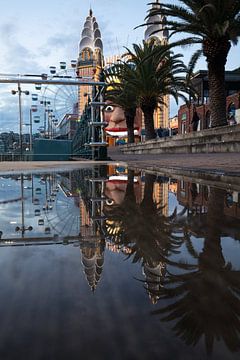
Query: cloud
{"type": "Point", "coordinates": [66, 43]}
{"type": "Point", "coordinates": [15, 57]}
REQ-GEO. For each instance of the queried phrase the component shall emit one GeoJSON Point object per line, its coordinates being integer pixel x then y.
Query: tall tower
{"type": "Point", "coordinates": [155, 26]}
{"type": "Point", "coordinates": [90, 60]}
{"type": "Point", "coordinates": [155, 31]}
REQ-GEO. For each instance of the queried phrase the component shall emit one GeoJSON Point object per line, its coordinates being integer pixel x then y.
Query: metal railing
{"type": "Point", "coordinates": [10, 156]}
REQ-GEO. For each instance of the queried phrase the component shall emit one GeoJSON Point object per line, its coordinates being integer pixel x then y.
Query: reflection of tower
{"type": "Point", "coordinates": [84, 214]}
{"type": "Point", "coordinates": [154, 276]}
{"type": "Point", "coordinates": [160, 194]}
{"type": "Point", "coordinates": [90, 61]}
{"type": "Point", "coordinates": [156, 32]}
{"type": "Point", "coordinates": [92, 259]}
{"type": "Point", "coordinates": [92, 243]}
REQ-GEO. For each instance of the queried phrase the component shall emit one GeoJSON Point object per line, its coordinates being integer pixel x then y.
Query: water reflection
{"type": "Point", "coordinates": [183, 236]}
{"type": "Point", "coordinates": [205, 301]}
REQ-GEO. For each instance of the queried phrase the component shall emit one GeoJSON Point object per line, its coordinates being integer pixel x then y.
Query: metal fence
{"type": "Point", "coordinates": [15, 157]}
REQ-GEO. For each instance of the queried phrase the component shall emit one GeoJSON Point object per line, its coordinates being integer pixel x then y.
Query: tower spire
{"type": "Point", "coordinates": [90, 11]}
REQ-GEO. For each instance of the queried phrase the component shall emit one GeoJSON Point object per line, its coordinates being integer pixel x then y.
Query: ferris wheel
{"type": "Point", "coordinates": [63, 99]}
{"type": "Point", "coordinates": [65, 219]}
{"type": "Point", "coordinates": [56, 100]}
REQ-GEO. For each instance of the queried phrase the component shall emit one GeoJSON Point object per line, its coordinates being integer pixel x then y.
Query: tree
{"type": "Point", "coordinates": [155, 72]}
{"type": "Point", "coordinates": [149, 73]}
{"type": "Point", "coordinates": [215, 24]}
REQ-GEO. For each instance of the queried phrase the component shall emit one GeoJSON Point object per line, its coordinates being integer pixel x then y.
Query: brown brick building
{"type": "Point", "coordinates": [200, 82]}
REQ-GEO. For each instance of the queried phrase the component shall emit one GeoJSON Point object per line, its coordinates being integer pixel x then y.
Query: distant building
{"type": "Point", "coordinates": [173, 125]}
{"type": "Point", "coordinates": [67, 127]}
{"type": "Point", "coordinates": [10, 140]}
{"type": "Point", "coordinates": [2, 147]}
{"type": "Point", "coordinates": [200, 82]}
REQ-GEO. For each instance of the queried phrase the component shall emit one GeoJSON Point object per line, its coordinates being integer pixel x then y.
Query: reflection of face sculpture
{"type": "Point", "coordinates": [114, 116]}
{"type": "Point", "coordinates": [115, 192]}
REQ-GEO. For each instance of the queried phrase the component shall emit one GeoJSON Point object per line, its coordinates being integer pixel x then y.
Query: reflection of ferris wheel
{"type": "Point", "coordinates": [65, 219]}
{"type": "Point", "coordinates": [62, 99]}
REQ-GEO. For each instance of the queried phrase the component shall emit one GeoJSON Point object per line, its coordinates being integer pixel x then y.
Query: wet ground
{"type": "Point", "coordinates": [114, 263]}
{"type": "Point", "coordinates": [211, 163]}
{"type": "Point", "coordinates": [227, 163]}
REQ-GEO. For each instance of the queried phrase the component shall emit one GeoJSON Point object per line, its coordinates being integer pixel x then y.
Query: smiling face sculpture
{"type": "Point", "coordinates": [117, 127]}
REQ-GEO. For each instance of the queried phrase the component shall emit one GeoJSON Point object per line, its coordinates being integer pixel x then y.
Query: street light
{"type": "Point", "coordinates": [46, 104]}
{"type": "Point", "coordinates": [30, 130]}
{"type": "Point", "coordinates": [22, 229]}
{"type": "Point", "coordinates": [19, 91]}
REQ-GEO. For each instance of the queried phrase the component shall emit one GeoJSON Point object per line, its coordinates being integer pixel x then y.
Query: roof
{"type": "Point", "coordinates": [91, 35]}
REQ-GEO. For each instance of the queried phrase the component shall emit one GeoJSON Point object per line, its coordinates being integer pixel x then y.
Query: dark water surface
{"type": "Point", "coordinates": [107, 263]}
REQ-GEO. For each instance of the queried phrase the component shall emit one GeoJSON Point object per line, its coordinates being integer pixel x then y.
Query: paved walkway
{"type": "Point", "coordinates": [216, 162]}
{"type": "Point", "coordinates": [211, 163]}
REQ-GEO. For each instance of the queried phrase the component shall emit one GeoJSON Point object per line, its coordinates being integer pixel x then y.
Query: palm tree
{"type": "Point", "coordinates": [150, 72]}
{"type": "Point", "coordinates": [215, 24]}
{"type": "Point", "coordinates": [155, 72]}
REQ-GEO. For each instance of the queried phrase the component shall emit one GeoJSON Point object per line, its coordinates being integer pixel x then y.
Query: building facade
{"type": "Point", "coordinates": [200, 82]}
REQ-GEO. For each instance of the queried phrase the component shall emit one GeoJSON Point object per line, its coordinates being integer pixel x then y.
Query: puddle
{"type": "Point", "coordinates": [118, 264]}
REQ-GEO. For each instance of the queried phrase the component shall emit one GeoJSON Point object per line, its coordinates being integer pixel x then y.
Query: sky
{"type": "Point", "coordinates": [35, 35]}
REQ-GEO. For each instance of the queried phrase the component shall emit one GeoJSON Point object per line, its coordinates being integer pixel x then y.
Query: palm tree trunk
{"type": "Point", "coordinates": [130, 115]}
{"type": "Point", "coordinates": [216, 76]}
{"type": "Point", "coordinates": [216, 53]}
{"type": "Point", "coordinates": [130, 194]}
{"type": "Point", "coordinates": [147, 203]}
{"type": "Point", "coordinates": [148, 122]}
{"type": "Point", "coordinates": [130, 129]}
{"type": "Point", "coordinates": [212, 255]}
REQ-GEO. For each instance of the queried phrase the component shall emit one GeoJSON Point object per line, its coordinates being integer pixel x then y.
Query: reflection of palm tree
{"type": "Point", "coordinates": [119, 223]}
{"type": "Point", "coordinates": [141, 225]}
{"type": "Point", "coordinates": [208, 301]}
{"type": "Point", "coordinates": [148, 234]}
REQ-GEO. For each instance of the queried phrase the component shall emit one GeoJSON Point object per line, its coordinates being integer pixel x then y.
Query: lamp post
{"type": "Point", "coordinates": [19, 91]}
{"type": "Point", "coordinates": [49, 112]}
{"type": "Point", "coordinates": [30, 122]}
{"type": "Point", "coordinates": [22, 229]}
{"type": "Point", "coordinates": [46, 104]}
{"type": "Point", "coordinates": [52, 120]}
{"type": "Point", "coordinates": [30, 130]}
